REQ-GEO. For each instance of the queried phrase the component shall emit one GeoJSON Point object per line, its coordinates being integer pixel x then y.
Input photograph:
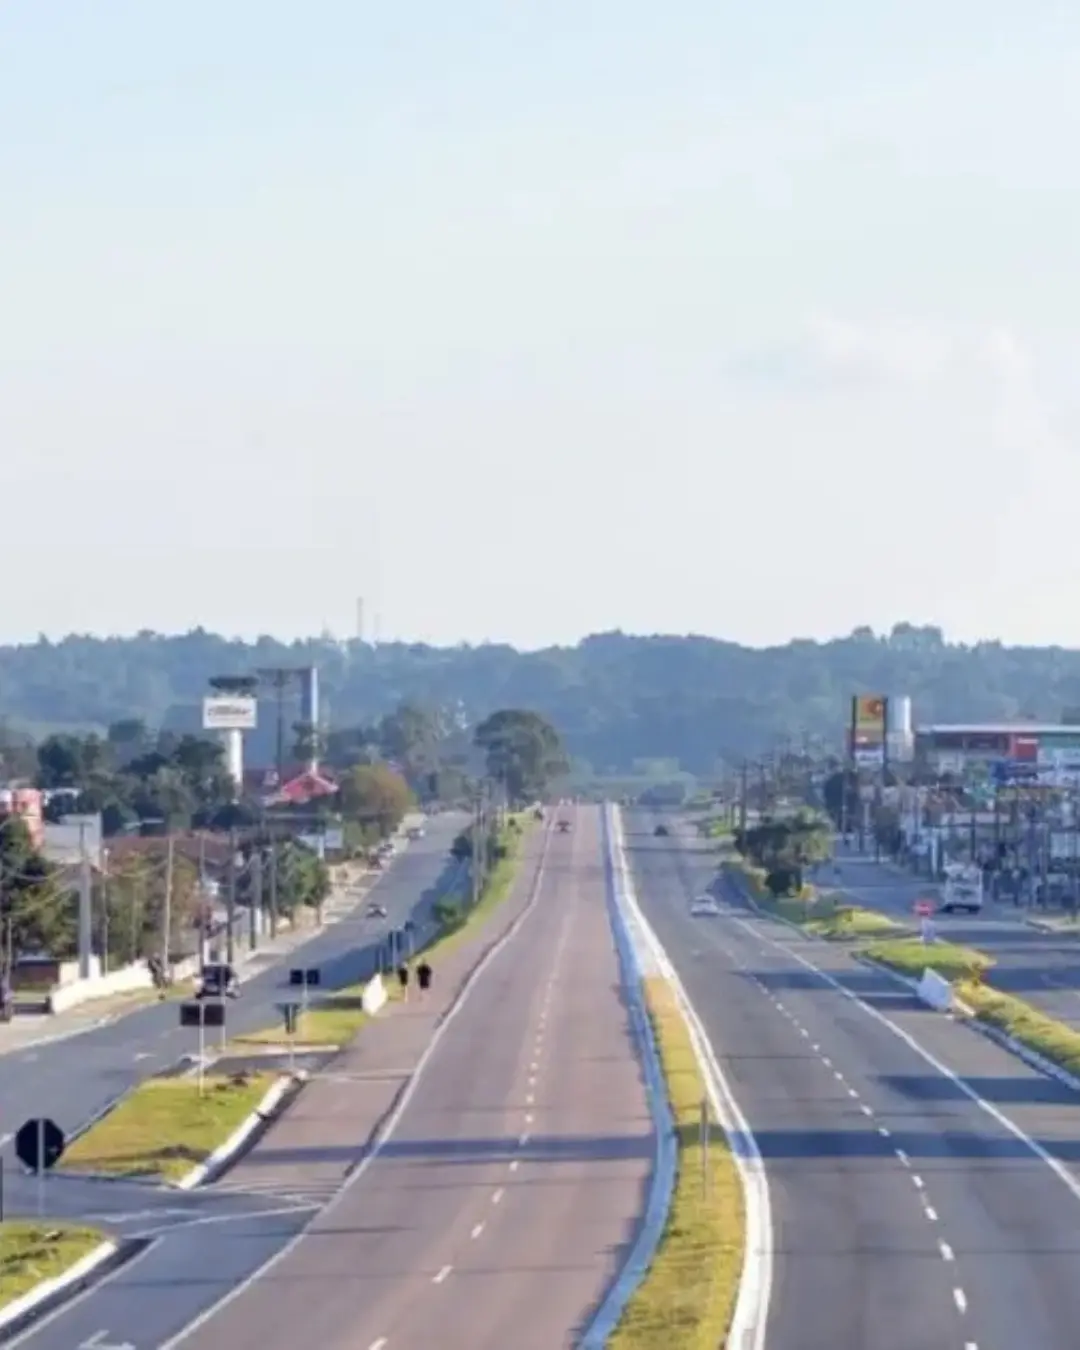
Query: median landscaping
{"type": "Point", "coordinates": [688, 1295]}
{"type": "Point", "coordinates": [334, 1018]}
{"type": "Point", "coordinates": [31, 1253]}
{"type": "Point", "coordinates": [165, 1128]}
{"type": "Point", "coordinates": [968, 969]}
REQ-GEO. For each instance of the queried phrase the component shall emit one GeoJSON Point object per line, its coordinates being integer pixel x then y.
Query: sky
{"type": "Point", "coordinates": [526, 320]}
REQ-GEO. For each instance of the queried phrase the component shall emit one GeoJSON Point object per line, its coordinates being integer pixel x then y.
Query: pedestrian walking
{"type": "Point", "coordinates": [403, 980]}
{"type": "Point", "coordinates": [423, 978]}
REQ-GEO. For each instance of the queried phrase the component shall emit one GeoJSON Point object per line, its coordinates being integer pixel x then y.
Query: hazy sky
{"type": "Point", "coordinates": [526, 319]}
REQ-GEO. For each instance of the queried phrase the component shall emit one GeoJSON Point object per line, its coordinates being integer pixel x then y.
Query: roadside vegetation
{"type": "Point", "coordinates": [688, 1295]}
{"type": "Point", "coordinates": [31, 1253]}
{"type": "Point", "coordinates": [817, 911]}
{"type": "Point", "coordinates": [910, 956]}
{"type": "Point", "coordinates": [165, 1128]}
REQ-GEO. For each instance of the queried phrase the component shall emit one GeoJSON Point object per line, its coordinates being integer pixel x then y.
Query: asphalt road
{"type": "Point", "coordinates": [1042, 967]}
{"type": "Point", "coordinates": [500, 1208]}
{"type": "Point", "coordinates": [72, 1080]}
{"type": "Point", "coordinates": [910, 1211]}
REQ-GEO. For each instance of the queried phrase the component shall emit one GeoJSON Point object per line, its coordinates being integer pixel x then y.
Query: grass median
{"type": "Point", "coordinates": [968, 969]}
{"type": "Point", "coordinates": [688, 1295]}
{"type": "Point", "coordinates": [817, 911]}
{"type": "Point", "coordinates": [333, 1019]}
{"type": "Point", "coordinates": [31, 1253]}
{"type": "Point", "coordinates": [910, 956]}
{"type": "Point", "coordinates": [165, 1128]}
{"type": "Point", "coordinates": [496, 889]}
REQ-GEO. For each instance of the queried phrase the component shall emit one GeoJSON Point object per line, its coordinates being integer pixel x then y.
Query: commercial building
{"type": "Point", "coordinates": [1007, 752]}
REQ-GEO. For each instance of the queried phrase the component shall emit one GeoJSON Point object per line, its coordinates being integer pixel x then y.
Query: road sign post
{"type": "Point", "coordinates": [305, 979]}
{"type": "Point", "coordinates": [39, 1145]}
{"type": "Point", "coordinates": [203, 1013]}
{"type": "Point", "coordinates": [290, 1013]}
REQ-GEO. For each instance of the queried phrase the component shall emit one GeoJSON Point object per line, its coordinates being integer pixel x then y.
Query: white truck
{"type": "Point", "coordinates": [962, 888]}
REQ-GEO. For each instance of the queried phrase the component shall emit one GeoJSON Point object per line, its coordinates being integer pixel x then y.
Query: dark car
{"type": "Point", "coordinates": [564, 827]}
{"type": "Point", "coordinates": [376, 911]}
{"type": "Point", "coordinates": [661, 831]}
{"type": "Point", "coordinates": [218, 981]}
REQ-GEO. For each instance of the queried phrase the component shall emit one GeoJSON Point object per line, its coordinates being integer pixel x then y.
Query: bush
{"type": "Point", "coordinates": [447, 913]}
{"type": "Point", "coordinates": [784, 881]}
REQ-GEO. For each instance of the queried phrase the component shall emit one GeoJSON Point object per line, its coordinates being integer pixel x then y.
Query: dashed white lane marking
{"type": "Point", "coordinates": [528, 1118]}
{"type": "Point", "coordinates": [529, 1099]}
{"type": "Point", "coordinates": [514, 1165]}
{"type": "Point", "coordinates": [497, 1196]}
{"type": "Point", "coordinates": [438, 1279]}
{"type": "Point", "coordinates": [947, 1253]}
{"type": "Point", "coordinates": [378, 1345]}
{"type": "Point", "coordinates": [477, 1230]}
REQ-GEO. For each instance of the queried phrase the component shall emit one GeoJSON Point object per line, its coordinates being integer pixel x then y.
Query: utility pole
{"type": "Point", "coordinates": [166, 915]}
{"type": "Point", "coordinates": [230, 900]}
{"type": "Point", "coordinates": [105, 911]}
{"type": "Point", "coordinates": [256, 904]}
{"type": "Point", "coordinates": [744, 787]}
{"type": "Point", "coordinates": [273, 885]}
{"type": "Point", "coordinates": [86, 903]}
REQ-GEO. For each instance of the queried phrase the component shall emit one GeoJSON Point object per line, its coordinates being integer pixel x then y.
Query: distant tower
{"type": "Point", "coordinates": [359, 618]}
{"type": "Point", "coordinates": [231, 710]}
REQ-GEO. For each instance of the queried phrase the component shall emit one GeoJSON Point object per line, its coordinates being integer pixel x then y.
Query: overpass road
{"type": "Point", "coordinates": [923, 1181]}
{"type": "Point", "coordinates": [73, 1079]}
{"type": "Point", "coordinates": [1041, 966]}
{"type": "Point", "coordinates": [498, 1207]}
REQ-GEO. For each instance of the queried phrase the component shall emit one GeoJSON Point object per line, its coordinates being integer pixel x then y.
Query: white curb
{"type": "Point", "coordinates": [75, 1275]}
{"type": "Point", "coordinates": [226, 1152]}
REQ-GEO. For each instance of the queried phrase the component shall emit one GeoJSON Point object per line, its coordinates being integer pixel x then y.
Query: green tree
{"type": "Point", "coordinates": [374, 796]}
{"type": "Point", "coordinates": [36, 904]}
{"type": "Point", "coordinates": [523, 752]}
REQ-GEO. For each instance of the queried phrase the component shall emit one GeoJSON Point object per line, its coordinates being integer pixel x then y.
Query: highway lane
{"type": "Point", "coordinates": [71, 1080]}
{"type": "Point", "coordinates": [907, 1214]}
{"type": "Point", "coordinates": [1031, 963]}
{"type": "Point", "coordinates": [498, 1212]}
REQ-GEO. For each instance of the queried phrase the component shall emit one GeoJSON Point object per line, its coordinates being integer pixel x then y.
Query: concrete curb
{"type": "Point", "coordinates": [665, 1159]}
{"type": "Point", "coordinates": [15, 1315]}
{"type": "Point", "coordinates": [966, 1014]}
{"type": "Point", "coordinates": [750, 1316]}
{"type": "Point", "coordinates": [243, 1136]}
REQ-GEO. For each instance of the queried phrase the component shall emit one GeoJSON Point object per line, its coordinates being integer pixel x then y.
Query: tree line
{"type": "Point", "coordinates": [617, 699]}
{"type": "Point", "coordinates": [150, 787]}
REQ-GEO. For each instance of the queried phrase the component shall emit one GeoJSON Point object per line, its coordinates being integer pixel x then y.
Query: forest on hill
{"type": "Point", "coordinates": [616, 699]}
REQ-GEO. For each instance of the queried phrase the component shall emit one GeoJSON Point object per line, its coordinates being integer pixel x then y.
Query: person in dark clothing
{"type": "Point", "coordinates": [403, 979]}
{"type": "Point", "coordinates": [7, 998]}
{"type": "Point", "coordinates": [423, 977]}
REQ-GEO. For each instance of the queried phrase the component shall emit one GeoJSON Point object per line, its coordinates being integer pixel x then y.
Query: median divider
{"type": "Point", "coordinates": [702, 1263]}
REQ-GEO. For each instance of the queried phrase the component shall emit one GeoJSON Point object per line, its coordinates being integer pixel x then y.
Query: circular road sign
{"type": "Point", "coordinates": [924, 908]}
{"type": "Point", "coordinates": [39, 1144]}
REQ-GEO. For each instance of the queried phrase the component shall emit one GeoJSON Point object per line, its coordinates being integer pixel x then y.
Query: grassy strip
{"type": "Point", "coordinates": [335, 1018]}
{"type": "Point", "coordinates": [966, 968]}
{"type": "Point", "coordinates": [911, 957]}
{"type": "Point", "coordinates": [817, 911]}
{"type": "Point", "coordinates": [1054, 1040]}
{"type": "Point", "coordinates": [688, 1295]}
{"type": "Point", "coordinates": [31, 1253]}
{"type": "Point", "coordinates": [496, 889]}
{"type": "Point", "coordinates": [164, 1128]}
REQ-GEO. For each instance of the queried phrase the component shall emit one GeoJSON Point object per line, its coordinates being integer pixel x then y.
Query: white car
{"type": "Point", "coordinates": [704, 906]}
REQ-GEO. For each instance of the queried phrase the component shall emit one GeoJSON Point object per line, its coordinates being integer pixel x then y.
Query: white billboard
{"type": "Point", "coordinates": [222, 712]}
